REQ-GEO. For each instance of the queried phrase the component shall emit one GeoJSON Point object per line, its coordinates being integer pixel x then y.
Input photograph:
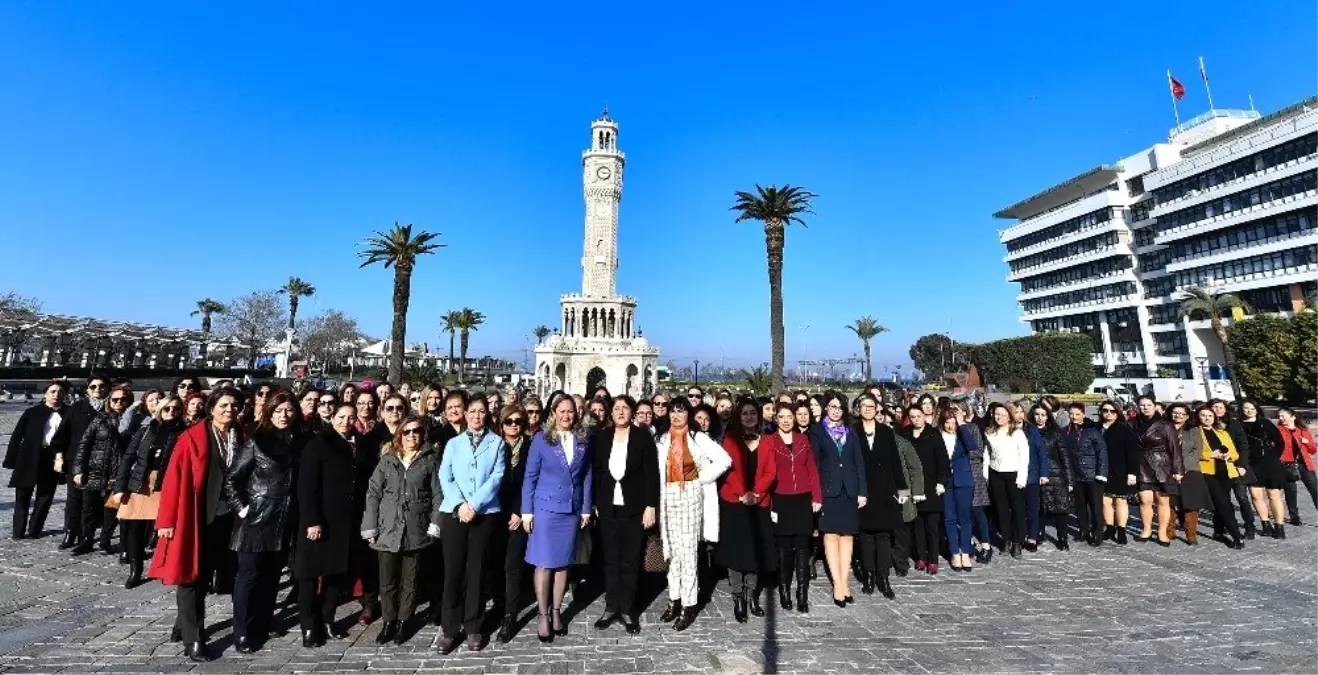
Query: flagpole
{"type": "Point", "coordinates": [1251, 100]}
{"type": "Point", "coordinates": [1170, 90]}
{"type": "Point", "coordinates": [1203, 74]}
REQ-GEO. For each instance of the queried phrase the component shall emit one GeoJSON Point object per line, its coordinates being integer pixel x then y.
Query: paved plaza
{"type": "Point", "coordinates": [1138, 608]}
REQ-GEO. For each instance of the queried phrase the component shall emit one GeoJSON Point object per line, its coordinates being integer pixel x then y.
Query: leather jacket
{"type": "Point", "coordinates": [260, 479]}
{"type": "Point", "coordinates": [1161, 454]}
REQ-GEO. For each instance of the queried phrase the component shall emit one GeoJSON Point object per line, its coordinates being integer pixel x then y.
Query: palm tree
{"type": "Point", "coordinates": [450, 320]}
{"type": "Point", "coordinates": [296, 289]}
{"type": "Point", "coordinates": [399, 249]}
{"type": "Point", "coordinates": [776, 208]}
{"type": "Point", "coordinates": [206, 308]}
{"type": "Point", "coordinates": [867, 328]}
{"type": "Point", "coordinates": [540, 333]}
{"type": "Point", "coordinates": [759, 381]}
{"type": "Point", "coordinates": [1214, 305]}
{"type": "Point", "coordinates": [468, 320]}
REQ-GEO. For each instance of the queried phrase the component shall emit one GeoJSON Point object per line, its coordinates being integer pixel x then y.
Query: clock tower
{"type": "Point", "coordinates": [601, 180]}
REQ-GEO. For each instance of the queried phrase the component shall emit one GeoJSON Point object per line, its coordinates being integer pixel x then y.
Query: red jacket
{"type": "Point", "coordinates": [1302, 437]}
{"type": "Point", "coordinates": [735, 483]}
{"type": "Point", "coordinates": [178, 560]}
{"type": "Point", "coordinates": [797, 473]}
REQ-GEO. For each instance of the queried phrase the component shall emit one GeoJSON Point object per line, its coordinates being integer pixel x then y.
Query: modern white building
{"type": "Point", "coordinates": [1228, 203]}
{"type": "Point", "coordinates": [598, 342]}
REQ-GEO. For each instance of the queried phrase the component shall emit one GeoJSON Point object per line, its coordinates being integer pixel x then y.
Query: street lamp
{"type": "Point", "coordinates": [1203, 372]}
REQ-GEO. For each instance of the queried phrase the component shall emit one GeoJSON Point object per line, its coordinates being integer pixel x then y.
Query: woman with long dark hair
{"type": "Point", "coordinates": [843, 483]}
{"type": "Point", "coordinates": [1123, 463]}
{"type": "Point", "coordinates": [95, 467]}
{"type": "Point", "coordinates": [327, 524]}
{"type": "Point", "coordinates": [1297, 456]}
{"type": "Point", "coordinates": [882, 514]}
{"type": "Point", "coordinates": [1056, 478]}
{"type": "Point", "coordinates": [1192, 492]}
{"type": "Point", "coordinates": [746, 544]}
{"type": "Point", "coordinates": [1265, 448]}
{"type": "Point", "coordinates": [556, 509]}
{"type": "Point", "coordinates": [626, 496]}
{"type": "Point", "coordinates": [140, 476]}
{"type": "Point", "coordinates": [511, 541]}
{"type": "Point", "coordinates": [1218, 465]}
{"type": "Point", "coordinates": [795, 498]}
{"type": "Point", "coordinates": [1160, 470]}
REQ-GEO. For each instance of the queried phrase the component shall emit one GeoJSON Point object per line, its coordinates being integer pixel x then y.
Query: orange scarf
{"type": "Point", "coordinates": [681, 465]}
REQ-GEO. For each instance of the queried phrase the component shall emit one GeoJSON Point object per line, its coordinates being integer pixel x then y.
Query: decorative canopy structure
{"type": "Point", "coordinates": [55, 340]}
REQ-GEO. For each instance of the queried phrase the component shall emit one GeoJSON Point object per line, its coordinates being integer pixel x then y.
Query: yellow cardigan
{"type": "Point", "coordinates": [1208, 465]}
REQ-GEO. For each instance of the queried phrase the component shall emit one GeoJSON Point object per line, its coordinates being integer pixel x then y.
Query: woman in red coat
{"type": "Point", "coordinates": [796, 499]}
{"type": "Point", "coordinates": [194, 521]}
{"type": "Point", "coordinates": [1297, 456]}
{"type": "Point", "coordinates": [745, 529]}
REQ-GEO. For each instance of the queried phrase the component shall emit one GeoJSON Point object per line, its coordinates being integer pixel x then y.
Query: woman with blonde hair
{"type": "Point", "coordinates": [140, 476]}
{"type": "Point", "coordinates": [1008, 456]}
{"type": "Point", "coordinates": [1217, 461]}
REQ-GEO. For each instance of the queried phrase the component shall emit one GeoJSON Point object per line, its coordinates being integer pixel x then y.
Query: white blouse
{"type": "Point", "coordinates": [618, 467]}
{"type": "Point", "coordinates": [569, 447]}
{"type": "Point", "coordinates": [949, 440]}
{"type": "Point", "coordinates": [1008, 453]}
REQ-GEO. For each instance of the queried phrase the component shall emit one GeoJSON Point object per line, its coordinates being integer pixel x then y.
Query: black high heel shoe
{"type": "Point", "coordinates": [545, 638]}
{"type": "Point", "coordinates": [558, 617]}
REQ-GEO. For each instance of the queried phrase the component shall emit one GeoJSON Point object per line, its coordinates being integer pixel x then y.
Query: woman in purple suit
{"type": "Point", "coordinates": [556, 506]}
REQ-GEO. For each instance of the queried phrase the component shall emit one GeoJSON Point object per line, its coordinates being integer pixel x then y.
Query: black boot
{"type": "Point", "coordinates": [739, 607]}
{"type": "Point", "coordinates": [197, 653]}
{"type": "Point", "coordinates": [869, 582]}
{"type": "Point", "coordinates": [69, 542]}
{"type": "Point", "coordinates": [785, 589]}
{"type": "Point", "coordinates": [754, 604]}
{"type": "Point", "coordinates": [505, 634]}
{"type": "Point", "coordinates": [1267, 529]}
{"type": "Point", "coordinates": [1121, 536]}
{"type": "Point", "coordinates": [243, 646]}
{"type": "Point", "coordinates": [84, 547]}
{"type": "Point", "coordinates": [388, 631]}
{"type": "Point", "coordinates": [684, 622]}
{"type": "Point", "coordinates": [1250, 532]}
{"type": "Point", "coordinates": [802, 582]}
{"type": "Point", "coordinates": [1278, 531]}
{"type": "Point", "coordinates": [885, 588]}
{"type": "Point", "coordinates": [311, 639]}
{"type": "Point", "coordinates": [674, 610]}
{"type": "Point", "coordinates": [134, 575]}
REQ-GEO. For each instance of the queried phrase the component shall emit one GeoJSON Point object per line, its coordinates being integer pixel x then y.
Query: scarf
{"type": "Point", "coordinates": [515, 451]}
{"type": "Point", "coordinates": [836, 431]}
{"type": "Point", "coordinates": [677, 449]}
{"type": "Point", "coordinates": [97, 404]}
{"type": "Point", "coordinates": [476, 438]}
{"type": "Point", "coordinates": [363, 427]}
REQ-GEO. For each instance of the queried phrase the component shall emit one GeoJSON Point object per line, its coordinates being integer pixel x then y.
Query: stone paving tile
{"type": "Point", "coordinates": [1133, 609]}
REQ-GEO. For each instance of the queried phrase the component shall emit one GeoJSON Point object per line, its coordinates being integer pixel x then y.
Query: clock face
{"type": "Point", "coordinates": [603, 173]}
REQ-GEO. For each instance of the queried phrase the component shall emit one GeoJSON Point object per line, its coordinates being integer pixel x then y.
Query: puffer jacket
{"type": "Point", "coordinates": [1055, 496]}
{"type": "Point", "coordinates": [149, 451]}
{"type": "Point", "coordinates": [1160, 451]}
{"type": "Point", "coordinates": [260, 479]}
{"type": "Point", "coordinates": [402, 504]}
{"type": "Point", "coordinates": [99, 452]}
{"type": "Point", "coordinates": [1088, 452]}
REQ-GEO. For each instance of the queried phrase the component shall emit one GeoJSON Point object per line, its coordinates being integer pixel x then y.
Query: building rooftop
{"type": "Point", "coordinates": [1286, 113]}
{"type": "Point", "coordinates": [1063, 193]}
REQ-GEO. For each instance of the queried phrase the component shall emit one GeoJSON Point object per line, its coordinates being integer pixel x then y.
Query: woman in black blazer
{"type": "Point", "coordinates": [931, 448]}
{"type": "Point", "coordinates": [842, 479]}
{"type": "Point", "coordinates": [515, 430]}
{"type": "Point", "coordinates": [328, 525]}
{"type": "Point", "coordinates": [626, 494]}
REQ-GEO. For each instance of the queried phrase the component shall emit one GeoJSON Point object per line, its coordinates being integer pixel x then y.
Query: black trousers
{"type": "Point", "coordinates": [72, 508]}
{"type": "Point", "coordinates": [1241, 492]}
{"type": "Point", "coordinates": [1088, 498]}
{"type": "Point", "coordinates": [1292, 493]}
{"type": "Point", "coordinates": [1219, 490]}
{"type": "Point", "coordinates": [133, 534]}
{"type": "Point", "coordinates": [875, 552]}
{"type": "Point", "coordinates": [319, 598]}
{"type": "Point", "coordinates": [191, 598]}
{"type": "Point", "coordinates": [399, 573]}
{"type": "Point", "coordinates": [623, 541]}
{"type": "Point", "coordinates": [254, 591]}
{"type": "Point", "coordinates": [901, 547]}
{"type": "Point", "coordinates": [29, 514]}
{"type": "Point", "coordinates": [465, 546]}
{"type": "Point", "coordinates": [95, 515]}
{"type": "Point", "coordinates": [925, 529]}
{"type": "Point", "coordinates": [510, 592]}
{"type": "Point", "coordinates": [1058, 521]}
{"type": "Point", "coordinates": [432, 580]}
{"type": "Point", "coordinates": [1009, 502]}
{"type": "Point", "coordinates": [743, 582]}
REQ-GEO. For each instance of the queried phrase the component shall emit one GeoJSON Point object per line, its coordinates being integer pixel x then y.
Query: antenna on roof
{"type": "Point", "coordinates": [1250, 94]}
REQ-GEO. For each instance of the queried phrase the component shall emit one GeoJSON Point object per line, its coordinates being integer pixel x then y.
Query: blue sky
{"type": "Point", "coordinates": [152, 154]}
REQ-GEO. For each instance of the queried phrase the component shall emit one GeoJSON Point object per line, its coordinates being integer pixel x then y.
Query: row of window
{"type": "Point", "coordinates": [1085, 272]}
{"type": "Point", "coordinates": [1245, 166]}
{"type": "Point", "coordinates": [1235, 269]}
{"type": "Point", "coordinates": [1094, 294]}
{"type": "Point", "coordinates": [1145, 236]}
{"type": "Point", "coordinates": [1071, 250]}
{"type": "Point", "coordinates": [1155, 261]}
{"type": "Point", "coordinates": [1087, 221]}
{"type": "Point", "coordinates": [1170, 313]}
{"type": "Point", "coordinates": [1157, 288]}
{"type": "Point", "coordinates": [1286, 224]}
{"type": "Point", "coordinates": [1268, 192]}
{"type": "Point", "coordinates": [1171, 343]}
{"type": "Point", "coordinates": [1139, 211]}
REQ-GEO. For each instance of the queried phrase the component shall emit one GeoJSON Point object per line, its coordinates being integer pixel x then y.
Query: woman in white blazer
{"type": "Point", "coordinates": [689, 463]}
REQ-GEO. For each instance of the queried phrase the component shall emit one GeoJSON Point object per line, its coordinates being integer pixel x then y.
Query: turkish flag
{"type": "Point", "coordinates": [1178, 90]}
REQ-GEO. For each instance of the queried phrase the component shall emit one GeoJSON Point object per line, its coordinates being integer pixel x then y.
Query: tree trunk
{"type": "Point", "coordinates": [205, 335]}
{"type": "Point", "coordinates": [462, 364]}
{"type": "Point", "coordinates": [452, 367]}
{"type": "Point", "coordinates": [398, 333]}
{"type": "Point", "coordinates": [1229, 356]}
{"type": "Point", "coordinates": [869, 369]}
{"type": "Point", "coordinates": [292, 311]}
{"type": "Point", "coordinates": [774, 236]}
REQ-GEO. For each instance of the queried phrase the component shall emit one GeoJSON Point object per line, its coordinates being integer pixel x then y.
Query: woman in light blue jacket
{"type": "Point", "coordinates": [469, 477]}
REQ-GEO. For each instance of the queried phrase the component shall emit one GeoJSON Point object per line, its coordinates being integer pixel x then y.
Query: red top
{"type": "Point", "coordinates": [1303, 438]}
{"type": "Point", "coordinates": [797, 473]}
{"type": "Point", "coordinates": [735, 480]}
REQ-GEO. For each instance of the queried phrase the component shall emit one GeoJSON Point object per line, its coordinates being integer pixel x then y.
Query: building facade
{"type": "Point", "coordinates": [1228, 204]}
{"type": "Point", "coordinates": [598, 342]}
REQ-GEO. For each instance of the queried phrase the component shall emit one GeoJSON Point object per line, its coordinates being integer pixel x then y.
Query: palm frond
{"type": "Point", "coordinates": [397, 246]}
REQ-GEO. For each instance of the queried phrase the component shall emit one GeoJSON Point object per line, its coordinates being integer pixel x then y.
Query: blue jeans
{"type": "Point", "coordinates": [981, 526]}
{"type": "Point", "coordinates": [1033, 528]}
{"type": "Point", "coordinates": [958, 507]}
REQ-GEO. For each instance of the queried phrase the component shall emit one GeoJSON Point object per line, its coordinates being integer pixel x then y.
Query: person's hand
{"type": "Point", "coordinates": [514, 522]}
{"type": "Point", "coordinates": [370, 541]}
{"type": "Point", "coordinates": [585, 520]}
{"type": "Point", "coordinates": [939, 489]}
{"type": "Point", "coordinates": [242, 513]}
{"type": "Point", "coordinates": [526, 522]}
{"type": "Point", "coordinates": [1043, 480]}
{"type": "Point", "coordinates": [902, 499]}
{"type": "Point", "coordinates": [1241, 470]}
{"type": "Point", "coordinates": [816, 506]}
{"type": "Point", "coordinates": [749, 499]}
{"type": "Point", "coordinates": [862, 501]}
{"type": "Point", "coordinates": [465, 513]}
{"type": "Point", "coordinates": [313, 532]}
{"type": "Point", "coordinates": [1101, 479]}
{"type": "Point", "coordinates": [165, 533]}
{"type": "Point", "coordinates": [1070, 488]}
{"type": "Point", "coordinates": [123, 497]}
{"type": "Point", "coordinates": [647, 518]}
{"type": "Point", "coordinates": [1130, 479]}
{"type": "Point", "coordinates": [77, 479]}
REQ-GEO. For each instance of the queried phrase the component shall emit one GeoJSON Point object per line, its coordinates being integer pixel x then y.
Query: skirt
{"type": "Point", "coordinates": [1269, 473]}
{"type": "Point", "coordinates": [1116, 487]}
{"type": "Point", "coordinates": [142, 506]}
{"type": "Point", "coordinates": [795, 517]}
{"type": "Point", "coordinates": [746, 541]}
{"type": "Point", "coordinates": [553, 540]}
{"type": "Point", "coordinates": [1169, 488]}
{"type": "Point", "coordinates": [1193, 494]}
{"type": "Point", "coordinates": [840, 515]}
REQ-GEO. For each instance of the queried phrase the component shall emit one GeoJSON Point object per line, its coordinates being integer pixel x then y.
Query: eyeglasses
{"type": "Point", "coordinates": [413, 431]}
{"type": "Point", "coordinates": [693, 395]}
{"type": "Point", "coordinates": [394, 408]}
{"type": "Point", "coordinates": [514, 422]}
{"type": "Point", "coordinates": [326, 402]}
{"type": "Point", "coordinates": [1108, 411]}
{"type": "Point", "coordinates": [834, 406]}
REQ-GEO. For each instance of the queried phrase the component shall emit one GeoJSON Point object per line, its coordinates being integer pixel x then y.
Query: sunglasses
{"type": "Point", "coordinates": [95, 387]}
{"type": "Point", "coordinates": [414, 431]}
{"type": "Point", "coordinates": [170, 409]}
{"type": "Point", "coordinates": [116, 399]}
{"type": "Point", "coordinates": [660, 404]}
{"type": "Point", "coordinates": [514, 422]}
{"type": "Point", "coordinates": [188, 387]}
{"type": "Point", "coordinates": [1107, 411]}
{"type": "Point", "coordinates": [394, 408]}
{"type": "Point", "coordinates": [326, 402]}
{"type": "Point", "coordinates": [533, 411]}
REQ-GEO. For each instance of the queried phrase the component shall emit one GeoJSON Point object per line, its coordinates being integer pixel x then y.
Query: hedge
{"type": "Point", "coordinates": [1054, 362]}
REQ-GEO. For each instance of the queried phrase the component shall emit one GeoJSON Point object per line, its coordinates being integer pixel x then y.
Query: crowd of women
{"type": "Point", "coordinates": [398, 497]}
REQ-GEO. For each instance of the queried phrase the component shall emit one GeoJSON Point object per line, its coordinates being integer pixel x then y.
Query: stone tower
{"type": "Point", "coordinates": [598, 342]}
